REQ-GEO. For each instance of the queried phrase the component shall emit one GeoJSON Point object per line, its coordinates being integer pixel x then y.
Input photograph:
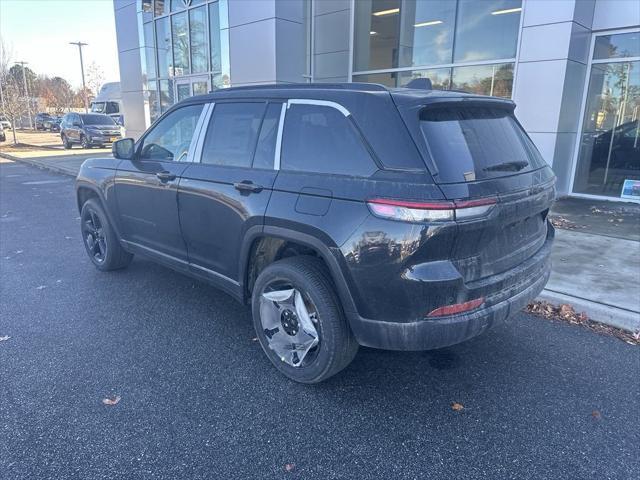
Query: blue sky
{"type": "Point", "coordinates": [39, 32]}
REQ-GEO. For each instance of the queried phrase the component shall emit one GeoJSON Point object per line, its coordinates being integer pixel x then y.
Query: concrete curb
{"type": "Point", "coordinates": [598, 312]}
{"type": "Point", "coordinates": [43, 165]}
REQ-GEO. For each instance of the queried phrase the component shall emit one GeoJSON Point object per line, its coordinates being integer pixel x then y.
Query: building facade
{"type": "Point", "coordinates": [571, 66]}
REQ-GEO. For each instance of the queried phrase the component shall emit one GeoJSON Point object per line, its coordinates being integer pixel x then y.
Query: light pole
{"type": "Point", "coordinates": [26, 93]}
{"type": "Point", "coordinates": [84, 88]}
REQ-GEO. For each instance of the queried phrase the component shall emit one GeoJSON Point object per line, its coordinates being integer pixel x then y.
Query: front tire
{"type": "Point", "coordinates": [100, 240]}
{"type": "Point", "coordinates": [84, 142]}
{"type": "Point", "coordinates": [66, 143]}
{"type": "Point", "coordinates": [299, 320]}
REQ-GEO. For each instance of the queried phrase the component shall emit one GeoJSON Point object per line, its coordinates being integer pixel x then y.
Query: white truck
{"type": "Point", "coordinates": [109, 101]}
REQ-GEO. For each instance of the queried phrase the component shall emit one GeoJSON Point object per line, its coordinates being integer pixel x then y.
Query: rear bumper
{"type": "Point", "coordinates": [431, 333]}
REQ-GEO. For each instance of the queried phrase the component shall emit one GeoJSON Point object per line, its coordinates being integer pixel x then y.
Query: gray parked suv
{"type": "Point", "coordinates": [88, 130]}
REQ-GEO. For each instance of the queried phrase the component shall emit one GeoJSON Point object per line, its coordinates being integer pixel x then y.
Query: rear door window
{"type": "Point", "coordinates": [232, 134]}
{"type": "Point", "coordinates": [475, 143]}
{"type": "Point", "coordinates": [319, 138]}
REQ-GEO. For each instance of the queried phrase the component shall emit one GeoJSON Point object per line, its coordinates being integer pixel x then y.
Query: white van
{"type": "Point", "coordinates": [109, 101]}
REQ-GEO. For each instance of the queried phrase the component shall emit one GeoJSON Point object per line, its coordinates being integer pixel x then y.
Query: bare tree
{"type": "Point", "coordinates": [14, 102]}
{"type": "Point", "coordinates": [5, 61]}
{"type": "Point", "coordinates": [95, 79]}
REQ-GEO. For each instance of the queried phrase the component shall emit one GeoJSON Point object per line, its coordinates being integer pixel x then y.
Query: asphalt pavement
{"type": "Point", "coordinates": [198, 399]}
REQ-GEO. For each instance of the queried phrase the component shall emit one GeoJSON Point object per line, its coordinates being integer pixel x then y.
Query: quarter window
{"type": "Point", "coordinates": [232, 134]}
{"type": "Point", "coordinates": [170, 139]}
{"type": "Point", "coordinates": [319, 138]}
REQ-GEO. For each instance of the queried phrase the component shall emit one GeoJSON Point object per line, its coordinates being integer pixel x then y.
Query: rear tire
{"type": "Point", "coordinates": [337, 346]}
{"type": "Point", "coordinates": [100, 239]}
{"type": "Point", "coordinates": [84, 142]}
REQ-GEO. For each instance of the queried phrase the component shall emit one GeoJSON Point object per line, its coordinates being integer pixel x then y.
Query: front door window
{"type": "Point", "coordinates": [609, 152]}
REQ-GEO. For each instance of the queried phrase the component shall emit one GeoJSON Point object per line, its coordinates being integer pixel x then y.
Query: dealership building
{"type": "Point", "coordinates": [571, 66]}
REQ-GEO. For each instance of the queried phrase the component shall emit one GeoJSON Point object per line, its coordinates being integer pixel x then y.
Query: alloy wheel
{"type": "Point", "coordinates": [94, 236]}
{"type": "Point", "coordinates": [290, 324]}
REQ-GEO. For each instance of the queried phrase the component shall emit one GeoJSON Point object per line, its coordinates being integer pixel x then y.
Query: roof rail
{"type": "Point", "coordinates": [368, 87]}
{"type": "Point", "coordinates": [422, 83]}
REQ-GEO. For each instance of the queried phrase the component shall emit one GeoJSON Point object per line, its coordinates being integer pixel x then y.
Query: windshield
{"type": "Point", "coordinates": [470, 143]}
{"type": "Point", "coordinates": [97, 107]}
{"type": "Point", "coordinates": [89, 119]}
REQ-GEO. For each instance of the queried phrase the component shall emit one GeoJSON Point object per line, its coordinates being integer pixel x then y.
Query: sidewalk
{"type": "Point", "coordinates": [596, 256]}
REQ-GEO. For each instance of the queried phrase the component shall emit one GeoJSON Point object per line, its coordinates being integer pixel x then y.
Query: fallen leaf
{"type": "Point", "coordinates": [5, 338]}
{"type": "Point", "coordinates": [456, 406]}
{"type": "Point", "coordinates": [289, 467]}
{"type": "Point", "coordinates": [596, 415]}
{"type": "Point", "coordinates": [111, 400]}
{"type": "Point", "coordinates": [254, 339]}
{"type": "Point", "coordinates": [41, 287]}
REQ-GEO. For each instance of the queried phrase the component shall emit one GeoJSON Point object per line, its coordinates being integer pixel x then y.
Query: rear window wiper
{"type": "Point", "coordinates": [507, 166]}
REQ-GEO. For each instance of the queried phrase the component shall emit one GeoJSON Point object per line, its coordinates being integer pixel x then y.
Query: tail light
{"type": "Point", "coordinates": [456, 308]}
{"type": "Point", "coordinates": [430, 211]}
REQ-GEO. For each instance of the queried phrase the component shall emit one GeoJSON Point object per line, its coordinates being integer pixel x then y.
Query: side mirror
{"type": "Point", "coordinates": [123, 149]}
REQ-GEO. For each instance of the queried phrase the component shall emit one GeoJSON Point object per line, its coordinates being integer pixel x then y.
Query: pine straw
{"type": "Point", "coordinates": [566, 313]}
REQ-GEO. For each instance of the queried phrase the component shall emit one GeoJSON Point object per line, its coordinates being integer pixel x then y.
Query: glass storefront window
{"type": "Point", "coordinates": [486, 30]}
{"type": "Point", "coordinates": [161, 7]}
{"type": "Point", "coordinates": [402, 33]}
{"type": "Point", "coordinates": [617, 46]}
{"type": "Point", "coordinates": [495, 80]}
{"type": "Point", "coordinates": [166, 95]}
{"type": "Point", "coordinates": [440, 78]}
{"type": "Point", "coordinates": [214, 33]}
{"type": "Point", "coordinates": [177, 5]}
{"type": "Point", "coordinates": [163, 47]}
{"type": "Point", "coordinates": [180, 37]}
{"type": "Point", "coordinates": [198, 35]}
{"type": "Point", "coordinates": [149, 62]}
{"type": "Point", "coordinates": [609, 150]}
{"type": "Point", "coordinates": [154, 112]}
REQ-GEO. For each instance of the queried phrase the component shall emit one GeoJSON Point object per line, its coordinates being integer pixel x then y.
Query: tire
{"type": "Point", "coordinates": [337, 346]}
{"type": "Point", "coordinates": [66, 143]}
{"type": "Point", "coordinates": [84, 142]}
{"type": "Point", "coordinates": [113, 256]}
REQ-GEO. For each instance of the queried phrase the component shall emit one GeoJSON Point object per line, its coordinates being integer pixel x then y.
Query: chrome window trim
{"type": "Point", "coordinates": [323, 103]}
{"type": "Point", "coordinates": [276, 158]}
{"type": "Point", "coordinates": [201, 128]}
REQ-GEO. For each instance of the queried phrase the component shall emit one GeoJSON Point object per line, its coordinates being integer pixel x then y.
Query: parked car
{"type": "Point", "coordinates": [6, 124]}
{"type": "Point", "coordinates": [3, 136]}
{"type": "Point", "coordinates": [345, 215]}
{"type": "Point", "coordinates": [53, 125]}
{"type": "Point", "coordinates": [41, 119]}
{"type": "Point", "coordinates": [88, 130]}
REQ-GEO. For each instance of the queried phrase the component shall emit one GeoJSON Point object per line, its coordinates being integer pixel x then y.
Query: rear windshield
{"type": "Point", "coordinates": [475, 143]}
{"type": "Point", "coordinates": [89, 119]}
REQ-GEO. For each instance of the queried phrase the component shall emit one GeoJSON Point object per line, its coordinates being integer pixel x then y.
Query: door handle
{"type": "Point", "coordinates": [165, 176]}
{"type": "Point", "coordinates": [247, 186]}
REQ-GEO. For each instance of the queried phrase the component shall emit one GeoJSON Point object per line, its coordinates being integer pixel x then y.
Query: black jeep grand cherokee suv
{"type": "Point", "coordinates": [345, 214]}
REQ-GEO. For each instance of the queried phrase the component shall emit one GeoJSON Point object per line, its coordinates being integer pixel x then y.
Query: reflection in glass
{"type": "Point", "coordinates": [183, 91]}
{"type": "Point", "coordinates": [200, 88]}
{"type": "Point", "coordinates": [610, 140]}
{"type": "Point", "coordinates": [395, 33]}
{"type": "Point", "coordinates": [198, 34]}
{"type": "Point", "coordinates": [161, 7]}
{"type": "Point", "coordinates": [177, 5]}
{"type": "Point", "coordinates": [166, 94]}
{"type": "Point", "coordinates": [149, 61]}
{"type": "Point", "coordinates": [154, 111]}
{"type": "Point", "coordinates": [163, 46]}
{"type": "Point", "coordinates": [486, 30]}
{"type": "Point", "coordinates": [440, 78]}
{"type": "Point", "coordinates": [214, 34]}
{"type": "Point", "coordinates": [180, 39]}
{"type": "Point", "coordinates": [616, 46]}
{"type": "Point", "coordinates": [495, 80]}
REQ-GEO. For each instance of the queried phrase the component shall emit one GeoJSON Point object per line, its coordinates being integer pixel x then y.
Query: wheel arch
{"type": "Point", "coordinates": [272, 243]}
